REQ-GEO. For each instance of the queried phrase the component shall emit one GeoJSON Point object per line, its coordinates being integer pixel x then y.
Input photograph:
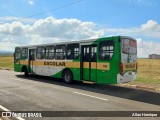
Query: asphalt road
{"type": "Point", "coordinates": [37, 93]}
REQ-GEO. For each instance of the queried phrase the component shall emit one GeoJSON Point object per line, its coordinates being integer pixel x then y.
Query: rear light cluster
{"type": "Point", "coordinates": [136, 66]}
{"type": "Point", "coordinates": [121, 68]}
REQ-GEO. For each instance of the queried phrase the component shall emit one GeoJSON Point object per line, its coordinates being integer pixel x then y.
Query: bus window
{"type": "Point", "coordinates": [40, 52]}
{"type": "Point", "coordinates": [49, 52]}
{"type": "Point", "coordinates": [106, 50]}
{"type": "Point", "coordinates": [72, 51]}
{"type": "Point", "coordinates": [93, 54]}
{"type": "Point", "coordinates": [24, 53]}
{"type": "Point", "coordinates": [17, 54]}
{"type": "Point", "coordinates": [60, 52]}
{"type": "Point", "coordinates": [129, 46]}
{"type": "Point", "coordinates": [86, 54]}
{"type": "Point", "coordinates": [32, 54]}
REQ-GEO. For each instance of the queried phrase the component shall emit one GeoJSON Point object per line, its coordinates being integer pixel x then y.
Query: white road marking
{"type": "Point", "coordinates": [6, 110]}
{"type": "Point", "coordinates": [3, 108]}
{"type": "Point", "coordinates": [91, 96]}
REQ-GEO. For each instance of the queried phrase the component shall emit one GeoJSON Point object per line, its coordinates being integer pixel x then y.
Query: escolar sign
{"type": "Point", "coordinates": [55, 63]}
{"type": "Point", "coordinates": [129, 66]}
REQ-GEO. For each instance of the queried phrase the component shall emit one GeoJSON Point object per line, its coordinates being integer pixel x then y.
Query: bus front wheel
{"type": "Point", "coordinates": [67, 76]}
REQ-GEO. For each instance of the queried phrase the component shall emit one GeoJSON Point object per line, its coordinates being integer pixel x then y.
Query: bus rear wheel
{"type": "Point", "coordinates": [26, 72]}
{"type": "Point", "coordinates": [67, 76]}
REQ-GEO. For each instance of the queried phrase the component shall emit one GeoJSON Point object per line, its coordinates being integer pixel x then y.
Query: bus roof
{"type": "Point", "coordinates": [72, 41]}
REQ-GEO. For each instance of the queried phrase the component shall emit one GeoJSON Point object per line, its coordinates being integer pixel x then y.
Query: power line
{"type": "Point", "coordinates": [48, 10]}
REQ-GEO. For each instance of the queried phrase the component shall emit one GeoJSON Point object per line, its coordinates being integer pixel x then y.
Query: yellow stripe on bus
{"type": "Point", "coordinates": [103, 66]}
{"type": "Point", "coordinates": [62, 64]}
{"type": "Point", "coordinates": [24, 62]}
{"type": "Point", "coordinates": [94, 65]}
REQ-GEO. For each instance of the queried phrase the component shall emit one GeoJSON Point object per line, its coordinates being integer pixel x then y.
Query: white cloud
{"type": "Point", "coordinates": [145, 48]}
{"type": "Point", "coordinates": [46, 31]}
{"type": "Point", "coordinates": [64, 29]}
{"type": "Point", "coordinates": [8, 42]}
{"type": "Point", "coordinates": [30, 2]}
{"type": "Point", "coordinates": [150, 29]}
{"type": "Point", "coordinates": [55, 30]}
{"type": "Point", "coordinates": [150, 25]}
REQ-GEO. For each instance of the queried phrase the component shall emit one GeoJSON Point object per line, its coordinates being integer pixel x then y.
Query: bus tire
{"type": "Point", "coordinates": [26, 72]}
{"type": "Point", "coordinates": [67, 76]}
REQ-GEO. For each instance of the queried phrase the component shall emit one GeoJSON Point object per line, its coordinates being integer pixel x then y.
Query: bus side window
{"type": "Point", "coordinates": [93, 54]}
{"type": "Point", "coordinates": [86, 55]}
{"type": "Point", "coordinates": [24, 53]}
{"type": "Point", "coordinates": [40, 52]}
{"type": "Point", "coordinates": [32, 55]}
{"type": "Point", "coordinates": [72, 51]}
{"type": "Point", "coordinates": [49, 52]}
{"type": "Point", "coordinates": [106, 50]}
{"type": "Point", "coordinates": [60, 51]}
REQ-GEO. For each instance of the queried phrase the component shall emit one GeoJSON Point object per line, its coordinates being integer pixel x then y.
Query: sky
{"type": "Point", "coordinates": [28, 22]}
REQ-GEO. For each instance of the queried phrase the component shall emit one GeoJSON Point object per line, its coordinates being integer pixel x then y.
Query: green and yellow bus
{"type": "Point", "coordinates": [108, 60]}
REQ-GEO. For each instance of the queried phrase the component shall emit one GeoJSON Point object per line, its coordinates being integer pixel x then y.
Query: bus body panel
{"type": "Point", "coordinates": [128, 60]}
{"type": "Point", "coordinates": [100, 71]}
{"type": "Point", "coordinates": [109, 68]}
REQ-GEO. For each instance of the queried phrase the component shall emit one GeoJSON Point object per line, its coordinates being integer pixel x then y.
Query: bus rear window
{"type": "Point", "coordinates": [129, 46]}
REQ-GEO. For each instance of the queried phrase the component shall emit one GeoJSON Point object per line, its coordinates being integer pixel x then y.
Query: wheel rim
{"type": "Point", "coordinates": [67, 77]}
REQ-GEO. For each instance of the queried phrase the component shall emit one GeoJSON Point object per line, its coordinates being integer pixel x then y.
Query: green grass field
{"type": "Point", "coordinates": [6, 61]}
{"type": "Point", "coordinates": [148, 73]}
{"type": "Point", "coordinates": [148, 70]}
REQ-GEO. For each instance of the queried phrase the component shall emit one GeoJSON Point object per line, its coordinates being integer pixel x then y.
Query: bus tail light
{"type": "Point", "coordinates": [121, 68]}
{"type": "Point", "coordinates": [136, 66]}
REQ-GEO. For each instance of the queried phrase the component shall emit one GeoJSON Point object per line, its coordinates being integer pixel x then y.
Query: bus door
{"type": "Point", "coordinates": [32, 55]}
{"type": "Point", "coordinates": [89, 62]}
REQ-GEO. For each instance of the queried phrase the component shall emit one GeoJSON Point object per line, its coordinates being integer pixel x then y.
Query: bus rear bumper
{"type": "Point", "coordinates": [126, 79]}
